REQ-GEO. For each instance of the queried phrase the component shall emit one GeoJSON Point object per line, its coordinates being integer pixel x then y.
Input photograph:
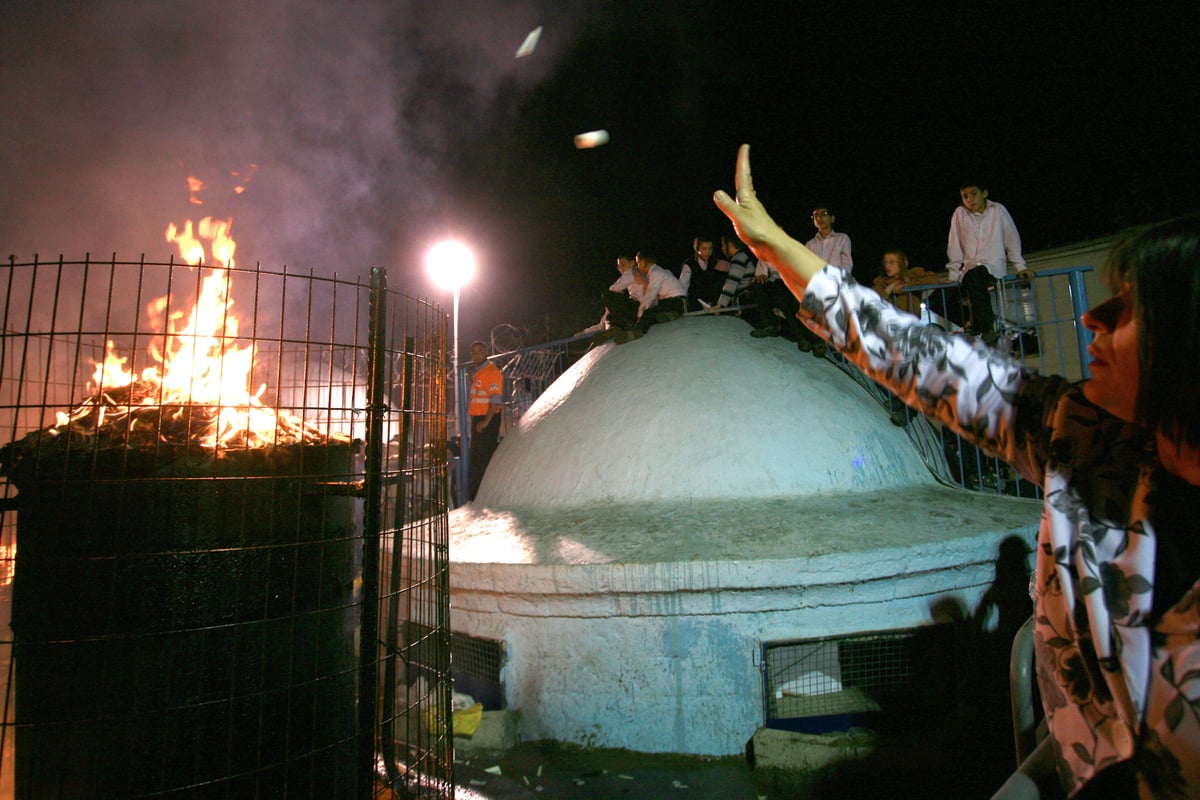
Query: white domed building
{"type": "Point", "coordinates": [669, 506]}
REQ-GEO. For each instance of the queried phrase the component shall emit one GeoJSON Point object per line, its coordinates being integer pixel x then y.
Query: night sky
{"type": "Point", "coordinates": [361, 132]}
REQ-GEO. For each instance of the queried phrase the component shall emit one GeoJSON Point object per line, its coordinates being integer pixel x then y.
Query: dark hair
{"type": "Point", "coordinates": [646, 255]}
{"type": "Point", "coordinates": [732, 241]}
{"type": "Point", "coordinates": [481, 343]}
{"type": "Point", "coordinates": [973, 181]}
{"type": "Point", "coordinates": [1161, 263]}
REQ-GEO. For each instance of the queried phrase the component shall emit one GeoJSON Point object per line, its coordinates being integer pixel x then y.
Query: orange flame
{"type": "Point", "coordinates": [192, 248]}
{"type": "Point", "coordinates": [201, 363]}
{"type": "Point", "coordinates": [245, 176]}
{"type": "Point", "coordinates": [195, 186]}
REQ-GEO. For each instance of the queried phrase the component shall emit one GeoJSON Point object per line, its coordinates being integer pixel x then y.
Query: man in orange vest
{"type": "Point", "coordinates": [487, 392]}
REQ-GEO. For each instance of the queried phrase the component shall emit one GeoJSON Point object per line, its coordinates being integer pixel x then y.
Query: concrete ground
{"type": "Point", "coordinates": [965, 755]}
{"type": "Point", "coordinates": [550, 770]}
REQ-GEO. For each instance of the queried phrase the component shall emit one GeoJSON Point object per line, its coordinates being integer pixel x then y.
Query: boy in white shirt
{"type": "Point", "coordinates": [982, 234]}
{"type": "Point", "coordinates": [830, 245]}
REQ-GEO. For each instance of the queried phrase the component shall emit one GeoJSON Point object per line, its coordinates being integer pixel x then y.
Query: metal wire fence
{"type": "Point", "coordinates": [1038, 323]}
{"type": "Point", "coordinates": [223, 499]}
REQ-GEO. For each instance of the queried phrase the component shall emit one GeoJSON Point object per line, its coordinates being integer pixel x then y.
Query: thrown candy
{"type": "Point", "coordinates": [591, 139]}
{"type": "Point", "coordinates": [530, 43]}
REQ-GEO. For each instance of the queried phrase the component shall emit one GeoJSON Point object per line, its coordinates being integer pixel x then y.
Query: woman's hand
{"type": "Point", "coordinates": [754, 226]}
{"type": "Point", "coordinates": [751, 221]}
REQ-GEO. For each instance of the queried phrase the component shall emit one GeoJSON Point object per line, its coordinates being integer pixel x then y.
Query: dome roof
{"type": "Point", "coordinates": [697, 409]}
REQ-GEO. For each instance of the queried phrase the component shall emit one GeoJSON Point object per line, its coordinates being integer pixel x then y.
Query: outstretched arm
{"type": "Point", "coordinates": [754, 226]}
{"type": "Point", "coordinates": [964, 385]}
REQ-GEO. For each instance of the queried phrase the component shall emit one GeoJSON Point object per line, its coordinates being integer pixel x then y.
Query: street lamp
{"type": "Point", "coordinates": [451, 265]}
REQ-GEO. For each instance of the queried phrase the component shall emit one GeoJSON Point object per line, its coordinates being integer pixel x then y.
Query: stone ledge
{"type": "Point", "coordinates": [790, 750]}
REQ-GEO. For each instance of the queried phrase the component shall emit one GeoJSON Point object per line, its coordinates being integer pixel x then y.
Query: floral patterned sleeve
{"type": "Point", "coordinates": [1118, 669]}
{"type": "Point", "coordinates": [988, 398]}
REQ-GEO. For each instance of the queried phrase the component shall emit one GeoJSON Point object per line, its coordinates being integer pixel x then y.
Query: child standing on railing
{"type": "Point", "coordinates": [982, 234]}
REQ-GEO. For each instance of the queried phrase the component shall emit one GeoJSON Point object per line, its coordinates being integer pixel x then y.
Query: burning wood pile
{"type": "Point", "coordinates": [196, 395]}
{"type": "Point", "coordinates": [134, 417]}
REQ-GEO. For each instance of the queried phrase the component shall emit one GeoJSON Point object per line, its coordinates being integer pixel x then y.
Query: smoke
{"type": "Point", "coordinates": [325, 130]}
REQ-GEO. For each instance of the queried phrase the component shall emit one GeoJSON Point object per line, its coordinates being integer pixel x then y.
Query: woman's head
{"type": "Point", "coordinates": [1156, 273]}
{"type": "Point", "coordinates": [895, 263]}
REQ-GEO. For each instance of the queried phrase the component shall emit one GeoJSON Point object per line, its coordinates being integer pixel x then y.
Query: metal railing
{"type": "Point", "coordinates": [1038, 322]}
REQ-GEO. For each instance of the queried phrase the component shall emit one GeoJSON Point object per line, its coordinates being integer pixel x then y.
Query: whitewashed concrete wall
{"type": "Point", "coordinates": [671, 504]}
{"type": "Point", "coordinates": [663, 657]}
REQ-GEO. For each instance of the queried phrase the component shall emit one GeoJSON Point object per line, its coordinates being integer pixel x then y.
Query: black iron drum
{"type": "Point", "coordinates": [185, 627]}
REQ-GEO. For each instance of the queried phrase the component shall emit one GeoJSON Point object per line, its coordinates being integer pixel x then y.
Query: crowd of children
{"type": "Point", "coordinates": [983, 245]}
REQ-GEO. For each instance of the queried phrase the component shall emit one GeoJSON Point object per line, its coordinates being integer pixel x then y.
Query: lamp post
{"type": "Point", "coordinates": [451, 265]}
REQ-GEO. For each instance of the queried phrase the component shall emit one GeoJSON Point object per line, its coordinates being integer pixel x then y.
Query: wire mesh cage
{"type": "Point", "coordinates": [223, 496]}
{"type": "Point", "coordinates": [838, 683]}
